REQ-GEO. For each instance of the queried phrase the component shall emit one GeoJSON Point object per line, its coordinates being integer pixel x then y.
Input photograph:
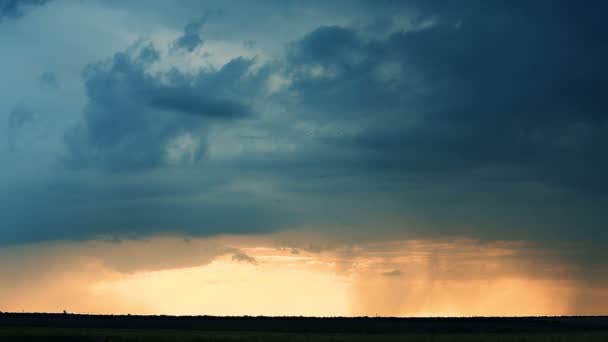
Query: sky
{"type": "Point", "coordinates": [326, 158]}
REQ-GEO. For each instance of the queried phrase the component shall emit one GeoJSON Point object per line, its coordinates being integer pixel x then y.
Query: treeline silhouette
{"type": "Point", "coordinates": [370, 325]}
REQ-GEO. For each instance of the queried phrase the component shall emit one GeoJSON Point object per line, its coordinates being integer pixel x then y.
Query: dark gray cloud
{"type": "Point", "coordinates": [331, 65]}
{"type": "Point", "coordinates": [133, 115]}
{"type": "Point", "coordinates": [12, 9]}
{"type": "Point", "coordinates": [505, 86]}
{"type": "Point", "coordinates": [83, 209]}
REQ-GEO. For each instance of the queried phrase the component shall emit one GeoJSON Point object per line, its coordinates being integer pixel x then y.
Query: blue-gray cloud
{"type": "Point", "coordinates": [12, 9]}
{"type": "Point", "coordinates": [191, 39]}
{"type": "Point", "coordinates": [412, 117]}
{"type": "Point", "coordinates": [489, 87]}
{"type": "Point", "coordinates": [132, 115]}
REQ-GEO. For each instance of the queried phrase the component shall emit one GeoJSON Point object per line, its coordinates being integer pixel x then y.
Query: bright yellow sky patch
{"type": "Point", "coordinates": [262, 276]}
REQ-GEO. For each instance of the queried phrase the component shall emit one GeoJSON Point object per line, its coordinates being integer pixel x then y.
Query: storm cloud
{"type": "Point", "coordinates": [474, 91]}
{"type": "Point", "coordinates": [365, 120]}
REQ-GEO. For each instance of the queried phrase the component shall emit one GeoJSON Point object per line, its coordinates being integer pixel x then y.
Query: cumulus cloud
{"type": "Point", "coordinates": [137, 119]}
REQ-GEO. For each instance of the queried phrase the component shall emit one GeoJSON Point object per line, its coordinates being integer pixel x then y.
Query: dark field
{"type": "Point", "coordinates": [68, 327]}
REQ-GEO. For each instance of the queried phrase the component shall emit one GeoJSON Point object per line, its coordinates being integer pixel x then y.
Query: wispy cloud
{"type": "Point", "coordinates": [242, 257]}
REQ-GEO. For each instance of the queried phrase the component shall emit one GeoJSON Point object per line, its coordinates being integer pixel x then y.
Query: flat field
{"type": "Point", "coordinates": [67, 327]}
{"type": "Point", "coordinates": [141, 335]}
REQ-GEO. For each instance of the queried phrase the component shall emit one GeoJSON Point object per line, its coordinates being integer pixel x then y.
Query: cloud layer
{"type": "Point", "coordinates": [367, 121]}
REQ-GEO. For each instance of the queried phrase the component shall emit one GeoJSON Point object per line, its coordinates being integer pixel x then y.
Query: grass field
{"type": "Point", "coordinates": [128, 335]}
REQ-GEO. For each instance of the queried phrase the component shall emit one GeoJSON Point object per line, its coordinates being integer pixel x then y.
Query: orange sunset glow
{"type": "Point", "coordinates": [235, 275]}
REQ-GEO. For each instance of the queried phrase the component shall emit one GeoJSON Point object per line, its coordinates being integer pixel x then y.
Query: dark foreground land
{"type": "Point", "coordinates": [71, 327]}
